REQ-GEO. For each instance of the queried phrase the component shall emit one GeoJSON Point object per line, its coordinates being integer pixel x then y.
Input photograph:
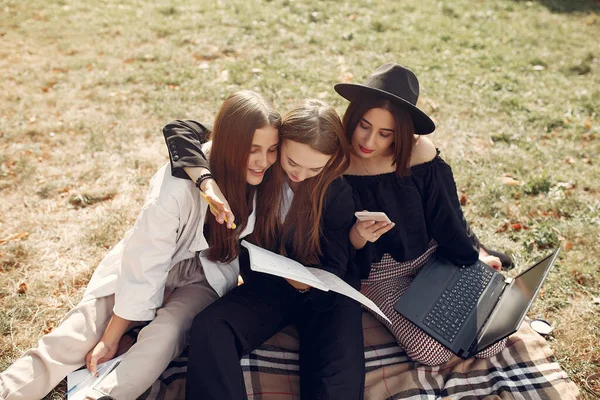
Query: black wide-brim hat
{"type": "Point", "coordinates": [395, 83]}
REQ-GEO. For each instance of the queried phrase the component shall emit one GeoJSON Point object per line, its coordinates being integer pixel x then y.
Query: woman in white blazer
{"type": "Point", "coordinates": [163, 272]}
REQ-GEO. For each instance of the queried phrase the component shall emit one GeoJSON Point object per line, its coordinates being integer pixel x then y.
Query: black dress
{"type": "Point", "coordinates": [429, 220]}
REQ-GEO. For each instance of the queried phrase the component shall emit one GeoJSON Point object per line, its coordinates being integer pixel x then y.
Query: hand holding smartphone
{"type": "Point", "coordinates": [372, 216]}
{"type": "Point", "coordinates": [371, 225]}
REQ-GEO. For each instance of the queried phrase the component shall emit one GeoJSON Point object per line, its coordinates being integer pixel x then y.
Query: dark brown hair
{"type": "Point", "coordinates": [239, 117]}
{"type": "Point", "coordinates": [404, 131]}
{"type": "Point", "coordinates": [316, 124]}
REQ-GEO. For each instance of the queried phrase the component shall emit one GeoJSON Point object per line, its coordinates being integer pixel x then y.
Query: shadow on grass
{"type": "Point", "coordinates": [568, 6]}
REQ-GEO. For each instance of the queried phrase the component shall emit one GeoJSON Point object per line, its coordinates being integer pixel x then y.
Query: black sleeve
{"type": "Point", "coordinates": [470, 232]}
{"type": "Point", "coordinates": [445, 220]}
{"type": "Point", "coordinates": [184, 141]}
{"type": "Point", "coordinates": [338, 218]}
{"type": "Point", "coordinates": [363, 258]}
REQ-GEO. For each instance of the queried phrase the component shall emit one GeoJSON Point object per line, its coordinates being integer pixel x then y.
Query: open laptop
{"type": "Point", "coordinates": [469, 308]}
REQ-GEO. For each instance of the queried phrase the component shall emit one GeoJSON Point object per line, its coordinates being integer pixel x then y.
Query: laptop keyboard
{"type": "Point", "coordinates": [456, 302]}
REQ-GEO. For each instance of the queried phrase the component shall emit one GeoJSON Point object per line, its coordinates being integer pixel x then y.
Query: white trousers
{"type": "Point", "coordinates": [64, 349]}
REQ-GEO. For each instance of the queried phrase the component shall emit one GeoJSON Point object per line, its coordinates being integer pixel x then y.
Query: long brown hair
{"type": "Point", "coordinates": [316, 124]}
{"type": "Point", "coordinates": [239, 117]}
{"type": "Point", "coordinates": [404, 132]}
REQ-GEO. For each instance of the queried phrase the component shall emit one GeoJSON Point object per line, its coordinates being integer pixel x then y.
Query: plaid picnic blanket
{"type": "Point", "coordinates": [526, 369]}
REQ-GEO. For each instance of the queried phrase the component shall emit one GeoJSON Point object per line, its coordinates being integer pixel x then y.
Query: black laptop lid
{"type": "Point", "coordinates": [515, 302]}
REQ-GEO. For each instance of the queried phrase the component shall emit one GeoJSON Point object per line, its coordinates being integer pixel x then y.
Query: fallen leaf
{"type": "Point", "coordinates": [568, 246]}
{"type": "Point", "coordinates": [502, 228]}
{"type": "Point", "coordinates": [463, 200]}
{"type": "Point", "coordinates": [507, 180]}
{"type": "Point", "coordinates": [432, 105]}
{"type": "Point", "coordinates": [213, 55]}
{"type": "Point", "coordinates": [49, 327]}
{"type": "Point", "coordinates": [516, 226]}
{"type": "Point", "coordinates": [565, 185]}
{"type": "Point", "coordinates": [346, 77]}
{"type": "Point", "coordinates": [22, 288]}
{"type": "Point", "coordinates": [14, 237]}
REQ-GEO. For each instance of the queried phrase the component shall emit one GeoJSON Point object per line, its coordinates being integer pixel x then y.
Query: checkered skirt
{"type": "Point", "coordinates": [387, 281]}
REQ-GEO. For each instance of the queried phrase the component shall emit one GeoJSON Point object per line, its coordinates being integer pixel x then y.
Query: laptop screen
{"type": "Point", "coordinates": [515, 301]}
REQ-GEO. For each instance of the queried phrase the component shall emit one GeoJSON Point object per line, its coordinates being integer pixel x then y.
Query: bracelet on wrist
{"type": "Point", "coordinates": [203, 178]}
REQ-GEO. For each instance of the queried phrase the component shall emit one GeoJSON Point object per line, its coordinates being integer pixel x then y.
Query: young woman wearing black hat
{"type": "Point", "coordinates": [394, 171]}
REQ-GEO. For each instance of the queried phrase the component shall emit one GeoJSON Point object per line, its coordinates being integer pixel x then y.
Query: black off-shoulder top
{"type": "Point", "coordinates": [424, 206]}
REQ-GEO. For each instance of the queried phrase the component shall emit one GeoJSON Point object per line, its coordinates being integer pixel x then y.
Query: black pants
{"type": "Point", "coordinates": [332, 364]}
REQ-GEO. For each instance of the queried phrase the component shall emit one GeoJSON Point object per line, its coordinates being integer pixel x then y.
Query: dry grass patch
{"type": "Point", "coordinates": [87, 86]}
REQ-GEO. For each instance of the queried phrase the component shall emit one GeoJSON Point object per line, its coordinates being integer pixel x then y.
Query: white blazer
{"type": "Point", "coordinates": [168, 230]}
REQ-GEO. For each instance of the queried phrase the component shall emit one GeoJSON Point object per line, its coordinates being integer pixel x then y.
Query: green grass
{"type": "Point", "coordinates": [87, 86]}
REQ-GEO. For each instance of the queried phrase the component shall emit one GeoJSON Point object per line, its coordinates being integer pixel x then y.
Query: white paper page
{"type": "Point", "coordinates": [336, 284]}
{"type": "Point", "coordinates": [79, 381]}
{"type": "Point", "coordinates": [262, 260]}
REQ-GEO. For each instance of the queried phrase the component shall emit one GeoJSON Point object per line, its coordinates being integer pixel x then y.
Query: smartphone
{"type": "Point", "coordinates": [372, 216]}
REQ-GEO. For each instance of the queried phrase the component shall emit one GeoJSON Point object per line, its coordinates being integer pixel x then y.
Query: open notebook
{"type": "Point", "coordinates": [262, 260]}
{"type": "Point", "coordinates": [78, 382]}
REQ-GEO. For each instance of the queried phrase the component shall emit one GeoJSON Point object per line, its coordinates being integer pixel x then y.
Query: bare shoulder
{"type": "Point", "coordinates": [424, 151]}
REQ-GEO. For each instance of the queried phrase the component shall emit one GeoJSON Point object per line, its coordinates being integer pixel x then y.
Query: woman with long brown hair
{"type": "Point", "coordinates": [164, 271]}
{"type": "Point", "coordinates": [314, 218]}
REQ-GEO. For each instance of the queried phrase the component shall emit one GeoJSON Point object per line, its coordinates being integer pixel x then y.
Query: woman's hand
{"type": "Point", "coordinates": [298, 285]}
{"type": "Point", "coordinates": [109, 343]}
{"type": "Point", "coordinates": [220, 207]}
{"type": "Point", "coordinates": [372, 230]}
{"type": "Point", "coordinates": [492, 261]}
{"type": "Point", "coordinates": [102, 352]}
{"type": "Point", "coordinates": [368, 231]}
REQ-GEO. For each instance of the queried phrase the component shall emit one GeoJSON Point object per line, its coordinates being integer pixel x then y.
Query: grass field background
{"type": "Point", "coordinates": [86, 86]}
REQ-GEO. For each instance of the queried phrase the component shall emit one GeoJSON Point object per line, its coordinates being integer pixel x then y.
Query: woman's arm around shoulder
{"type": "Point", "coordinates": [424, 151]}
{"type": "Point", "coordinates": [184, 140]}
